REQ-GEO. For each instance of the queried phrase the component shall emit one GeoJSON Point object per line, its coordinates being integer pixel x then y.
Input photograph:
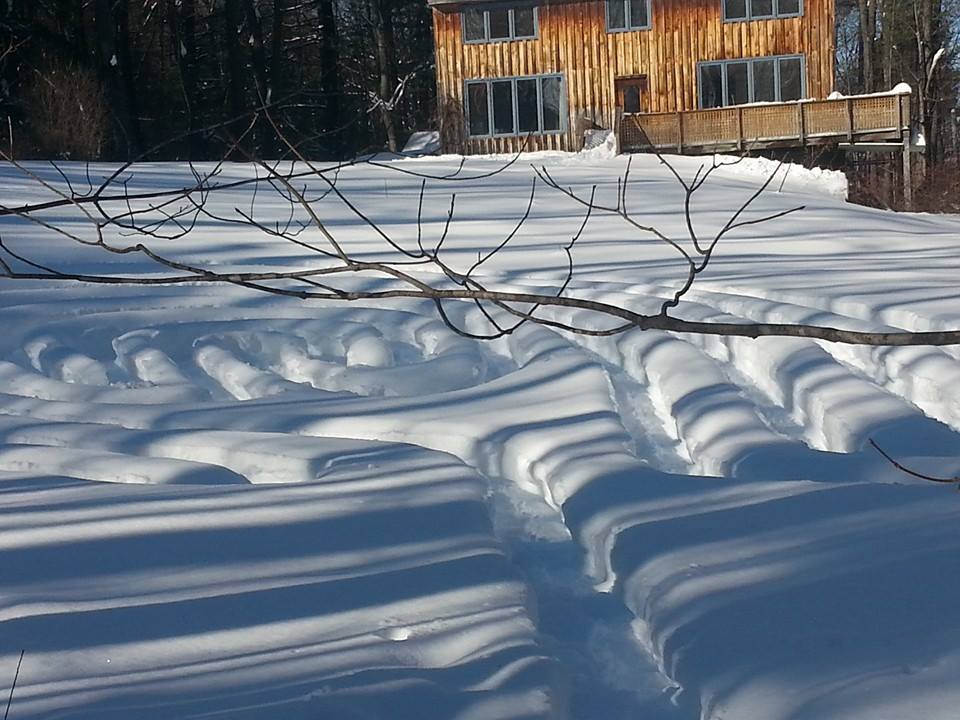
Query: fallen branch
{"type": "Point", "coordinates": [13, 687]}
{"type": "Point", "coordinates": [914, 473]}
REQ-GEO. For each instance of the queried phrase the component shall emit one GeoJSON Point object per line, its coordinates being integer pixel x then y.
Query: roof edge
{"type": "Point", "coordinates": [453, 5]}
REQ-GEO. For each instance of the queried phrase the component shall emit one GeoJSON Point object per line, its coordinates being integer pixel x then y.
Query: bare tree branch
{"type": "Point", "coordinates": [163, 215]}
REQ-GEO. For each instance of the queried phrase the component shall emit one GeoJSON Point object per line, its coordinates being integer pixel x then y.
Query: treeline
{"type": "Point", "coordinates": [113, 79]}
{"type": "Point", "coordinates": [881, 43]}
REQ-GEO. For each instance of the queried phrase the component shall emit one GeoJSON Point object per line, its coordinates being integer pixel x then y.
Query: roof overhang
{"type": "Point", "coordinates": [455, 5]}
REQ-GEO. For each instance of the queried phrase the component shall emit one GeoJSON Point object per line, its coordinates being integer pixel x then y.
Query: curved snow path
{"type": "Point", "coordinates": [214, 504]}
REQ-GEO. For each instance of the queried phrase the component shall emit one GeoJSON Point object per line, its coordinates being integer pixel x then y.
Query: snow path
{"type": "Point", "coordinates": [219, 504]}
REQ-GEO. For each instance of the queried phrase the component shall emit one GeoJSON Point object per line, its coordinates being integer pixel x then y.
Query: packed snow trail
{"type": "Point", "coordinates": [215, 503]}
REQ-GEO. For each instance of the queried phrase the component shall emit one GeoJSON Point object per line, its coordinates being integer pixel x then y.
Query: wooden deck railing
{"type": "Point", "coordinates": [790, 124]}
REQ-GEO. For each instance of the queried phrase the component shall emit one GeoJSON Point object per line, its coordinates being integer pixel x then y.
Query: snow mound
{"type": "Point", "coordinates": [789, 176]}
{"type": "Point", "coordinates": [424, 142]}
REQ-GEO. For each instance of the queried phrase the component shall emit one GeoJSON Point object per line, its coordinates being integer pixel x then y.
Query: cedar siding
{"type": "Point", "coordinates": [573, 40]}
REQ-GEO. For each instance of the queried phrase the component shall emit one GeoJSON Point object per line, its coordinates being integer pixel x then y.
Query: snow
{"type": "Point", "coordinates": [599, 144]}
{"type": "Point", "coordinates": [424, 142]}
{"type": "Point", "coordinates": [788, 175]}
{"type": "Point", "coordinates": [222, 504]}
{"type": "Point", "coordinates": [937, 57]}
{"type": "Point", "coordinates": [898, 89]}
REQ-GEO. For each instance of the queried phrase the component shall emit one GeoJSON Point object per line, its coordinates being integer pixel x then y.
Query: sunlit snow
{"type": "Point", "coordinates": [218, 503]}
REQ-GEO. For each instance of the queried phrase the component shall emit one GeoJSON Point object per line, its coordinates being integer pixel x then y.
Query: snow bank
{"type": "Point", "coordinates": [599, 144]}
{"type": "Point", "coordinates": [423, 142]}
{"type": "Point", "coordinates": [789, 176]}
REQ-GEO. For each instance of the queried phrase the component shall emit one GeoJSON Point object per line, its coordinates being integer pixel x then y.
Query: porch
{"type": "Point", "coordinates": [851, 120]}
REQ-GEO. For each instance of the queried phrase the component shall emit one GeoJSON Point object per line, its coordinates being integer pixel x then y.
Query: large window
{"type": "Point", "coordinates": [623, 15]}
{"type": "Point", "coordinates": [737, 10]}
{"type": "Point", "coordinates": [498, 23]}
{"type": "Point", "coordinates": [515, 106]}
{"type": "Point", "coordinates": [737, 82]}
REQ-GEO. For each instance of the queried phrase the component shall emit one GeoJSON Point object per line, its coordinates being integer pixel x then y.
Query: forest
{"type": "Point", "coordinates": [105, 79]}
{"type": "Point", "coordinates": [179, 79]}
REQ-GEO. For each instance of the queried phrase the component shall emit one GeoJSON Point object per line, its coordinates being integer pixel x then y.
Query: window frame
{"type": "Point", "coordinates": [491, 133]}
{"type": "Point", "coordinates": [750, 17]}
{"type": "Point", "coordinates": [627, 17]}
{"type": "Point", "coordinates": [751, 89]}
{"type": "Point", "coordinates": [510, 8]}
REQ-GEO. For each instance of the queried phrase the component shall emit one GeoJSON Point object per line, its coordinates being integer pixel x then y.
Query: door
{"type": "Point", "coordinates": [631, 93]}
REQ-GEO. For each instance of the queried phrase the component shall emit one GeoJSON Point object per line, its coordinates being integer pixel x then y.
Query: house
{"type": "Point", "coordinates": [536, 75]}
{"type": "Point", "coordinates": [555, 68]}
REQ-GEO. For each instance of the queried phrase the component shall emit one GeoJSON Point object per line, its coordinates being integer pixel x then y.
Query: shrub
{"type": "Point", "coordinates": [67, 114]}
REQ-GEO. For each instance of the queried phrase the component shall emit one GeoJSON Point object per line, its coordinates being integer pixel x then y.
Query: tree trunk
{"type": "Point", "coordinates": [868, 28]}
{"type": "Point", "coordinates": [182, 21]}
{"type": "Point", "coordinates": [277, 38]}
{"type": "Point", "coordinates": [927, 46]}
{"type": "Point", "coordinates": [236, 104]}
{"type": "Point", "coordinates": [386, 60]}
{"type": "Point", "coordinates": [114, 65]}
{"type": "Point", "coordinates": [330, 76]}
{"type": "Point", "coordinates": [259, 56]}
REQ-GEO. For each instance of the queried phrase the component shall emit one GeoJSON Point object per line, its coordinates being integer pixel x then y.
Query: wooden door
{"type": "Point", "coordinates": [631, 93]}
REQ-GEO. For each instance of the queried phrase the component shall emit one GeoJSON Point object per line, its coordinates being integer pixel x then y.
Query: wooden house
{"type": "Point", "coordinates": [695, 75]}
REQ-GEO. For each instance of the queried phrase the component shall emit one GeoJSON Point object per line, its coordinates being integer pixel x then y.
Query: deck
{"type": "Point", "coordinates": [864, 118]}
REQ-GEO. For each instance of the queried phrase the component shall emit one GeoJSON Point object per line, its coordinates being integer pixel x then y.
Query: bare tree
{"type": "Point", "coordinates": [868, 32]}
{"type": "Point", "coordinates": [115, 212]}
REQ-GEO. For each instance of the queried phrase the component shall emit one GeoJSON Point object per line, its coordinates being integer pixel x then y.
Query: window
{"type": "Point", "coordinates": [737, 82]}
{"type": "Point", "coordinates": [503, 104]}
{"type": "Point", "coordinates": [711, 85]}
{"type": "Point", "coordinates": [737, 10]}
{"type": "Point", "coordinates": [477, 110]}
{"type": "Point", "coordinates": [764, 80]}
{"type": "Point", "coordinates": [497, 24]}
{"type": "Point", "coordinates": [791, 78]}
{"type": "Point", "coordinates": [623, 15]}
{"type": "Point", "coordinates": [515, 106]}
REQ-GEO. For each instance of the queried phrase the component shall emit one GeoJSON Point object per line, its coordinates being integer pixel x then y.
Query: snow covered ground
{"type": "Point", "coordinates": [222, 504]}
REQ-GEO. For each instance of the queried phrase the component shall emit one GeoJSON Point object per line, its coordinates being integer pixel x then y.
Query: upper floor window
{"type": "Point", "coordinates": [515, 106]}
{"type": "Point", "coordinates": [497, 23]}
{"type": "Point", "coordinates": [738, 82]}
{"type": "Point", "coordinates": [735, 10]}
{"type": "Point", "coordinates": [623, 15]}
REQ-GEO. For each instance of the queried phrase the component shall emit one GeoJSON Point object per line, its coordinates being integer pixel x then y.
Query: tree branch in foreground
{"type": "Point", "coordinates": [122, 221]}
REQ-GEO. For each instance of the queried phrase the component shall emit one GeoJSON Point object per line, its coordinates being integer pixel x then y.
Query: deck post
{"type": "Point", "coordinates": [955, 124]}
{"type": "Point", "coordinates": [680, 132]}
{"type": "Point", "coordinates": [617, 129]}
{"type": "Point", "coordinates": [850, 120]}
{"type": "Point", "coordinates": [802, 125]}
{"type": "Point", "coordinates": [907, 172]}
{"type": "Point", "coordinates": [739, 129]}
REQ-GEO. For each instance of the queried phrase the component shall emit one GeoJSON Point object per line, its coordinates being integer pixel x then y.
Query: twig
{"type": "Point", "coordinates": [914, 473]}
{"type": "Point", "coordinates": [13, 687]}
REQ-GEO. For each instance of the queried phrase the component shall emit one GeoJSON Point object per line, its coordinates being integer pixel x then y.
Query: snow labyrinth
{"type": "Point", "coordinates": [219, 504]}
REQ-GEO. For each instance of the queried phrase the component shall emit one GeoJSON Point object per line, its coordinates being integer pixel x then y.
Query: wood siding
{"type": "Point", "coordinates": [574, 41]}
